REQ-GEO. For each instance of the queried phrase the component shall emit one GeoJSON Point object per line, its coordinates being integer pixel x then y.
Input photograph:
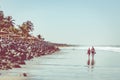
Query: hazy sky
{"type": "Point", "coordinates": [69, 21]}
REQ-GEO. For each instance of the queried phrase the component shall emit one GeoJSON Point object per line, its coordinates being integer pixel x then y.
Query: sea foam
{"type": "Point", "coordinates": [107, 48]}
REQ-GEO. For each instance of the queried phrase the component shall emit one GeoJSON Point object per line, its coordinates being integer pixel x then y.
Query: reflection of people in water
{"type": "Point", "coordinates": [88, 62]}
{"type": "Point", "coordinates": [91, 62]}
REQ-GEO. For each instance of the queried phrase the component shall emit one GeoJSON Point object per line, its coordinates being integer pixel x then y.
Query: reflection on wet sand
{"type": "Point", "coordinates": [91, 63]}
{"type": "Point", "coordinates": [91, 52]}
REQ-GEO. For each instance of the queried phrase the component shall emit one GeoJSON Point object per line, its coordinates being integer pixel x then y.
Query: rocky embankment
{"type": "Point", "coordinates": [13, 53]}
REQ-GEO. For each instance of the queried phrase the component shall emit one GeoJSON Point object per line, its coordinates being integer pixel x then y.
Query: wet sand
{"type": "Point", "coordinates": [72, 64]}
{"type": "Point", "coordinates": [12, 78]}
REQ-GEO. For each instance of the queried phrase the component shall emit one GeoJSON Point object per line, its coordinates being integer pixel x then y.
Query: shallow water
{"type": "Point", "coordinates": [72, 64]}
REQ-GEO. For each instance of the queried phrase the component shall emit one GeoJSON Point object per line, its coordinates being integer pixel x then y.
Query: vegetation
{"type": "Point", "coordinates": [7, 25]}
{"type": "Point", "coordinates": [18, 45]}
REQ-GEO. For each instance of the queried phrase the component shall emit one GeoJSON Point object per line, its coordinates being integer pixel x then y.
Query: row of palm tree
{"type": "Point", "coordinates": [8, 24]}
{"type": "Point", "coordinates": [26, 27]}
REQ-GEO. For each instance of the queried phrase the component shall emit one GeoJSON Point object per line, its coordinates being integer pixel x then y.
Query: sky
{"type": "Point", "coordinates": [85, 22]}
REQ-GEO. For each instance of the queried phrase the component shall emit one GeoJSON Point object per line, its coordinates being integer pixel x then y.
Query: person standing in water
{"type": "Point", "coordinates": [93, 52]}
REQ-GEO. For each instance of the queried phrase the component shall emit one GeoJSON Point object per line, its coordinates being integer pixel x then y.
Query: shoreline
{"type": "Point", "coordinates": [13, 78]}
{"type": "Point", "coordinates": [15, 52]}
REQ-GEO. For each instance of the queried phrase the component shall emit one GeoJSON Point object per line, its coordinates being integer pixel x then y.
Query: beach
{"type": "Point", "coordinates": [15, 52]}
{"type": "Point", "coordinates": [59, 40]}
{"type": "Point", "coordinates": [72, 64]}
{"type": "Point", "coordinates": [13, 78]}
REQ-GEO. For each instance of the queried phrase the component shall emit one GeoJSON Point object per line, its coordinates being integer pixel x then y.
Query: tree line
{"type": "Point", "coordinates": [8, 23]}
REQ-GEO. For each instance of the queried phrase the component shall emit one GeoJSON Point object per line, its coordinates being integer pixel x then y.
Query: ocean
{"type": "Point", "coordinates": [72, 63]}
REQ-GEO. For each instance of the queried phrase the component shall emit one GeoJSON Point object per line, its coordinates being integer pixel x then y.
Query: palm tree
{"type": "Point", "coordinates": [9, 22]}
{"type": "Point", "coordinates": [29, 26]}
{"type": "Point", "coordinates": [26, 27]}
{"type": "Point", "coordinates": [39, 36]}
{"type": "Point", "coordinates": [14, 30]}
{"type": "Point", "coordinates": [6, 22]}
{"type": "Point", "coordinates": [1, 19]}
{"type": "Point", "coordinates": [1, 15]}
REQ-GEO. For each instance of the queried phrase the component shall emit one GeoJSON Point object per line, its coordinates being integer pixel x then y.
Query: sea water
{"type": "Point", "coordinates": [71, 63]}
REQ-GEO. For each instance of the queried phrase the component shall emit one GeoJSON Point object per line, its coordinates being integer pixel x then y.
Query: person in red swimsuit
{"type": "Point", "coordinates": [93, 51]}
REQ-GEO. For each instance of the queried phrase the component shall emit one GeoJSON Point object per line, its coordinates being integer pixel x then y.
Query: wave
{"type": "Point", "coordinates": [107, 48]}
{"type": "Point", "coordinates": [115, 49]}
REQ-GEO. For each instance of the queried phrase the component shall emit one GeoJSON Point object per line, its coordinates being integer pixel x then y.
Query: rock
{"type": "Point", "coordinates": [21, 63]}
{"type": "Point", "coordinates": [16, 66]}
{"type": "Point", "coordinates": [24, 74]}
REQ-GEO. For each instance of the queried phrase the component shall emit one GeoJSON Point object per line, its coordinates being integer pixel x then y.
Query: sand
{"type": "Point", "coordinates": [69, 64]}
{"type": "Point", "coordinates": [13, 78]}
